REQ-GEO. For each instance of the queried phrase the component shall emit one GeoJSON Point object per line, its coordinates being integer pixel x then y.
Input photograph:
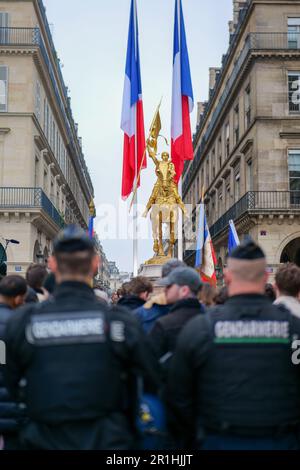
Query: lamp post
{"type": "Point", "coordinates": [7, 242]}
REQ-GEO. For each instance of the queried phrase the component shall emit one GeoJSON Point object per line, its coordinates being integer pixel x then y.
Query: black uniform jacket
{"type": "Point", "coordinates": [235, 370]}
{"type": "Point", "coordinates": [79, 360]}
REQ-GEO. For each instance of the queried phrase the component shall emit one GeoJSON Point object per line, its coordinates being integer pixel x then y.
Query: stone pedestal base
{"type": "Point", "coordinates": [152, 272]}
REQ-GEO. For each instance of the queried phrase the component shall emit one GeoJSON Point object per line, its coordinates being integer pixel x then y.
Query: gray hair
{"type": "Point", "coordinates": [171, 265]}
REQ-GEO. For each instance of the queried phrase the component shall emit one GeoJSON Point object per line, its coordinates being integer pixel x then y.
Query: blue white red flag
{"type": "Point", "coordinates": [205, 254]}
{"type": "Point", "coordinates": [182, 99]}
{"type": "Point", "coordinates": [132, 121]}
{"type": "Point", "coordinates": [233, 239]}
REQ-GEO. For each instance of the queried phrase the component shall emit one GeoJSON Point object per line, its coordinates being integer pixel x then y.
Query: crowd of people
{"type": "Point", "coordinates": [176, 365]}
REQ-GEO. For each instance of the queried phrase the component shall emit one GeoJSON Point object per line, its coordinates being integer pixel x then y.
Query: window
{"type": "Point", "coordinates": [4, 24]}
{"type": "Point", "coordinates": [207, 173]}
{"type": "Point", "coordinates": [236, 124]}
{"type": "Point", "coordinates": [249, 173]}
{"type": "Point", "coordinates": [294, 92]}
{"type": "Point", "coordinates": [294, 33]}
{"type": "Point", "coordinates": [294, 175]}
{"type": "Point", "coordinates": [227, 139]}
{"type": "Point", "coordinates": [247, 107]}
{"type": "Point", "coordinates": [294, 170]}
{"type": "Point", "coordinates": [38, 110]}
{"type": "Point", "coordinates": [227, 194]}
{"type": "Point", "coordinates": [237, 186]}
{"type": "Point", "coordinates": [3, 88]}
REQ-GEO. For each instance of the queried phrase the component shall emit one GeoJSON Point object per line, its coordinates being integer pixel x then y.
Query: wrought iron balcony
{"type": "Point", "coordinates": [254, 42]}
{"type": "Point", "coordinates": [256, 202]}
{"type": "Point", "coordinates": [29, 198]}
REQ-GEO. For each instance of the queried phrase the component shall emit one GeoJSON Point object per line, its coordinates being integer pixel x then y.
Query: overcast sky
{"type": "Point", "coordinates": [91, 40]}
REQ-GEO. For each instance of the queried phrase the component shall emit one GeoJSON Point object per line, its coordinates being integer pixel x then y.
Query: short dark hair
{"type": "Point", "coordinates": [288, 279]}
{"type": "Point", "coordinates": [78, 263]}
{"type": "Point", "coordinates": [270, 292]}
{"type": "Point", "coordinates": [140, 284]}
{"type": "Point", "coordinates": [12, 286]}
{"type": "Point", "coordinates": [36, 275]}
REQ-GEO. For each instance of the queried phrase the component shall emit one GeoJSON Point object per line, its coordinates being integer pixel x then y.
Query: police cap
{"type": "Point", "coordinates": [73, 239]}
{"type": "Point", "coordinates": [248, 251]}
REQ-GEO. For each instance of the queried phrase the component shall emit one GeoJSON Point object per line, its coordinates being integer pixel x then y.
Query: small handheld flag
{"type": "Point", "coordinates": [205, 254]}
{"type": "Point", "coordinates": [233, 239]}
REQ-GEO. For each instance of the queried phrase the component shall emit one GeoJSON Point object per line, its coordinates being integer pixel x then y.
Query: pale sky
{"type": "Point", "coordinates": [91, 40]}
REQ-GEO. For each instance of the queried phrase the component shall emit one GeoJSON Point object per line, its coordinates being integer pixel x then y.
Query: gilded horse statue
{"type": "Point", "coordinates": [163, 203]}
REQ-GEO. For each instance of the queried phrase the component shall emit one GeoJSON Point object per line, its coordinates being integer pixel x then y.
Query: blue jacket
{"type": "Point", "coordinates": [152, 311]}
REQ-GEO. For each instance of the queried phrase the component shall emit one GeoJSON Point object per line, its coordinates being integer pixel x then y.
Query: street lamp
{"type": "Point", "coordinates": [7, 242]}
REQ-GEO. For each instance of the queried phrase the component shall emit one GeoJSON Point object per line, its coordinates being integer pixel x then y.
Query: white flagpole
{"type": "Point", "coordinates": [180, 217]}
{"type": "Point", "coordinates": [135, 202]}
{"type": "Point", "coordinates": [180, 225]}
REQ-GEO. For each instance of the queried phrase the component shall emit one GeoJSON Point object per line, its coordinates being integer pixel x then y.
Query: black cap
{"type": "Point", "coordinates": [183, 277]}
{"type": "Point", "coordinates": [72, 239]}
{"type": "Point", "coordinates": [249, 251]}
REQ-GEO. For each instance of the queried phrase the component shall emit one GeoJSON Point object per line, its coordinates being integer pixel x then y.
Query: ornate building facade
{"type": "Point", "coordinates": [247, 141]}
{"type": "Point", "coordinates": [44, 180]}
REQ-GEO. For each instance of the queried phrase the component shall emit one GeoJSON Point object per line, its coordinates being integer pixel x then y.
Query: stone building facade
{"type": "Point", "coordinates": [247, 141]}
{"type": "Point", "coordinates": [44, 180]}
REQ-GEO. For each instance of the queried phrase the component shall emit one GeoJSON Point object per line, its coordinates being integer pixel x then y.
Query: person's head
{"type": "Point", "coordinates": [246, 271]}
{"type": "Point", "coordinates": [124, 290]}
{"type": "Point", "coordinates": [181, 283]}
{"type": "Point", "coordinates": [31, 296]}
{"type": "Point", "coordinates": [165, 156]}
{"type": "Point", "coordinates": [270, 292]}
{"type": "Point", "coordinates": [115, 298]}
{"type": "Point", "coordinates": [36, 275]}
{"type": "Point", "coordinates": [141, 287]}
{"type": "Point", "coordinates": [50, 283]}
{"type": "Point", "coordinates": [221, 296]}
{"type": "Point", "coordinates": [74, 256]}
{"type": "Point", "coordinates": [207, 295]}
{"type": "Point", "coordinates": [13, 290]}
{"type": "Point", "coordinates": [287, 280]}
{"type": "Point", "coordinates": [170, 265]}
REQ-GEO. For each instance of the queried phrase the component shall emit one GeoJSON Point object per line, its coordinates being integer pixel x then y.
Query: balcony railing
{"type": "Point", "coordinates": [29, 198]}
{"type": "Point", "coordinates": [258, 202]}
{"type": "Point", "coordinates": [253, 42]}
{"type": "Point", "coordinates": [32, 37]}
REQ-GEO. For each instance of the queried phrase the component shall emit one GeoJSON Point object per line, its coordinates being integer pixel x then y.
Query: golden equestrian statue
{"type": "Point", "coordinates": [164, 200]}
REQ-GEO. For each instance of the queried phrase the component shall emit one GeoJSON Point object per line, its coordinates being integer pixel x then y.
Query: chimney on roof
{"type": "Point", "coordinates": [238, 5]}
{"type": "Point", "coordinates": [200, 111]}
{"type": "Point", "coordinates": [231, 27]}
{"type": "Point", "coordinates": [213, 75]}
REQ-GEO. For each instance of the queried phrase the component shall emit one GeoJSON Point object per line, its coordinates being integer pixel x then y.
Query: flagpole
{"type": "Point", "coordinates": [135, 199]}
{"type": "Point", "coordinates": [180, 225]}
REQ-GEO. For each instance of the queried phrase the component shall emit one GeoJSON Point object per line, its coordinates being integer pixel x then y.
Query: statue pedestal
{"type": "Point", "coordinates": [152, 272]}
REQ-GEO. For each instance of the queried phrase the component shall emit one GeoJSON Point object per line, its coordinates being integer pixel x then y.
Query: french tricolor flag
{"type": "Point", "coordinates": [132, 121]}
{"type": "Point", "coordinates": [182, 99]}
{"type": "Point", "coordinates": [205, 253]}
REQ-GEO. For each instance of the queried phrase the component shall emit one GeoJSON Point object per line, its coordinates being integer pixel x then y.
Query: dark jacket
{"type": "Point", "coordinates": [167, 328]}
{"type": "Point", "coordinates": [151, 311]}
{"type": "Point", "coordinates": [10, 412]}
{"type": "Point", "coordinates": [79, 359]}
{"type": "Point", "coordinates": [132, 302]}
{"type": "Point", "coordinates": [232, 372]}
